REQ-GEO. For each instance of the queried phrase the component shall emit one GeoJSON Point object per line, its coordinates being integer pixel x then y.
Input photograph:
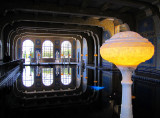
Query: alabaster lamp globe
{"type": "Point", "coordinates": [127, 50]}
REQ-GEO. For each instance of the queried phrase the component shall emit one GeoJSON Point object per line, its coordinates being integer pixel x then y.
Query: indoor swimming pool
{"type": "Point", "coordinates": [72, 91]}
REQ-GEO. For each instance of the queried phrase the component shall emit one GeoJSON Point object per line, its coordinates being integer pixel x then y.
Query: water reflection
{"type": "Point", "coordinates": [87, 91]}
{"type": "Point", "coordinates": [59, 86]}
{"type": "Point", "coordinates": [28, 76]}
{"type": "Point", "coordinates": [97, 88]}
{"type": "Point", "coordinates": [47, 76]}
{"type": "Point", "coordinates": [38, 71]}
{"type": "Point", "coordinates": [66, 77]}
{"type": "Point", "coordinates": [78, 82]}
{"type": "Point", "coordinates": [84, 80]}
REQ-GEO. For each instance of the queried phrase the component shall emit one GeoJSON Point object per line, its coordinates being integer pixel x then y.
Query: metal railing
{"type": "Point", "coordinates": [6, 67]}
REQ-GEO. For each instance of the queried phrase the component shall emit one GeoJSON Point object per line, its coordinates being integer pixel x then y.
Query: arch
{"type": "Point", "coordinates": [47, 76]}
{"type": "Point", "coordinates": [78, 51]}
{"type": "Point", "coordinates": [66, 77]}
{"type": "Point", "coordinates": [47, 49]}
{"type": "Point", "coordinates": [98, 51]}
{"type": "Point", "coordinates": [28, 76]}
{"type": "Point", "coordinates": [85, 51]}
{"type": "Point", "coordinates": [27, 50]}
{"type": "Point", "coordinates": [66, 49]}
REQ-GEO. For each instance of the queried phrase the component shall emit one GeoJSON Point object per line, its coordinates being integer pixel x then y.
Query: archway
{"type": "Point", "coordinates": [85, 51]}
{"type": "Point", "coordinates": [78, 51]}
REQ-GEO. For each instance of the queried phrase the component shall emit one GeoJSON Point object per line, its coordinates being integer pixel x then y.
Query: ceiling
{"type": "Point", "coordinates": [61, 16]}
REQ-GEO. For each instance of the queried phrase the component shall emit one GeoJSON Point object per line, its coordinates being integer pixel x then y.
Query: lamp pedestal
{"type": "Point", "coordinates": [126, 106]}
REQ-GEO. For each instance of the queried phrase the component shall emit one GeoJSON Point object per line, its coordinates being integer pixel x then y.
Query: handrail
{"type": "Point", "coordinates": [5, 67]}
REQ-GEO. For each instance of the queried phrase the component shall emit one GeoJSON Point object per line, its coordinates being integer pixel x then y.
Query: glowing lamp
{"type": "Point", "coordinates": [81, 54]}
{"type": "Point", "coordinates": [95, 55]}
{"type": "Point", "coordinates": [86, 55]}
{"type": "Point", "coordinates": [127, 50]}
{"type": "Point", "coordinates": [95, 81]}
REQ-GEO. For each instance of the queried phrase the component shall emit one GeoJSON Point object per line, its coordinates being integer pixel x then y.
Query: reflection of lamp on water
{"type": "Point", "coordinates": [30, 74]}
{"type": "Point", "coordinates": [62, 71]}
{"type": "Point", "coordinates": [57, 70]}
{"type": "Point", "coordinates": [97, 88]}
{"type": "Point", "coordinates": [126, 50]}
{"type": "Point", "coordinates": [38, 71]}
{"type": "Point", "coordinates": [69, 72]}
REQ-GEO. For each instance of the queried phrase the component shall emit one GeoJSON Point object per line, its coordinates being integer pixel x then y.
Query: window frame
{"type": "Point", "coordinates": [64, 49]}
{"type": "Point", "coordinates": [26, 47]}
{"type": "Point", "coordinates": [51, 48]}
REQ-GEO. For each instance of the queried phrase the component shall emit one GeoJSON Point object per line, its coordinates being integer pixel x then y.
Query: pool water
{"type": "Point", "coordinates": [72, 91]}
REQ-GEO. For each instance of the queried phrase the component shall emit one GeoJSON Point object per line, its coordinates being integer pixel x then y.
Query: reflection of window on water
{"type": "Point", "coordinates": [47, 49]}
{"type": "Point", "coordinates": [66, 76]}
{"type": "Point", "coordinates": [66, 49]}
{"type": "Point", "coordinates": [28, 76]}
{"type": "Point", "coordinates": [47, 76]}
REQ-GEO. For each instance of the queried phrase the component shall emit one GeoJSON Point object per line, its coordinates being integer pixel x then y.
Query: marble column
{"type": "Point", "coordinates": [126, 106]}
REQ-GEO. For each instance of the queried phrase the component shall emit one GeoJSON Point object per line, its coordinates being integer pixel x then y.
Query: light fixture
{"type": "Point", "coordinates": [127, 50]}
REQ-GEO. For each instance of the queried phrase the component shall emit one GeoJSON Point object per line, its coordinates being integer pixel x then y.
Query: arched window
{"type": "Point", "coordinates": [27, 50]}
{"type": "Point", "coordinates": [28, 76]}
{"type": "Point", "coordinates": [47, 76]}
{"type": "Point", "coordinates": [66, 76]}
{"type": "Point", "coordinates": [47, 49]}
{"type": "Point", "coordinates": [66, 49]}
